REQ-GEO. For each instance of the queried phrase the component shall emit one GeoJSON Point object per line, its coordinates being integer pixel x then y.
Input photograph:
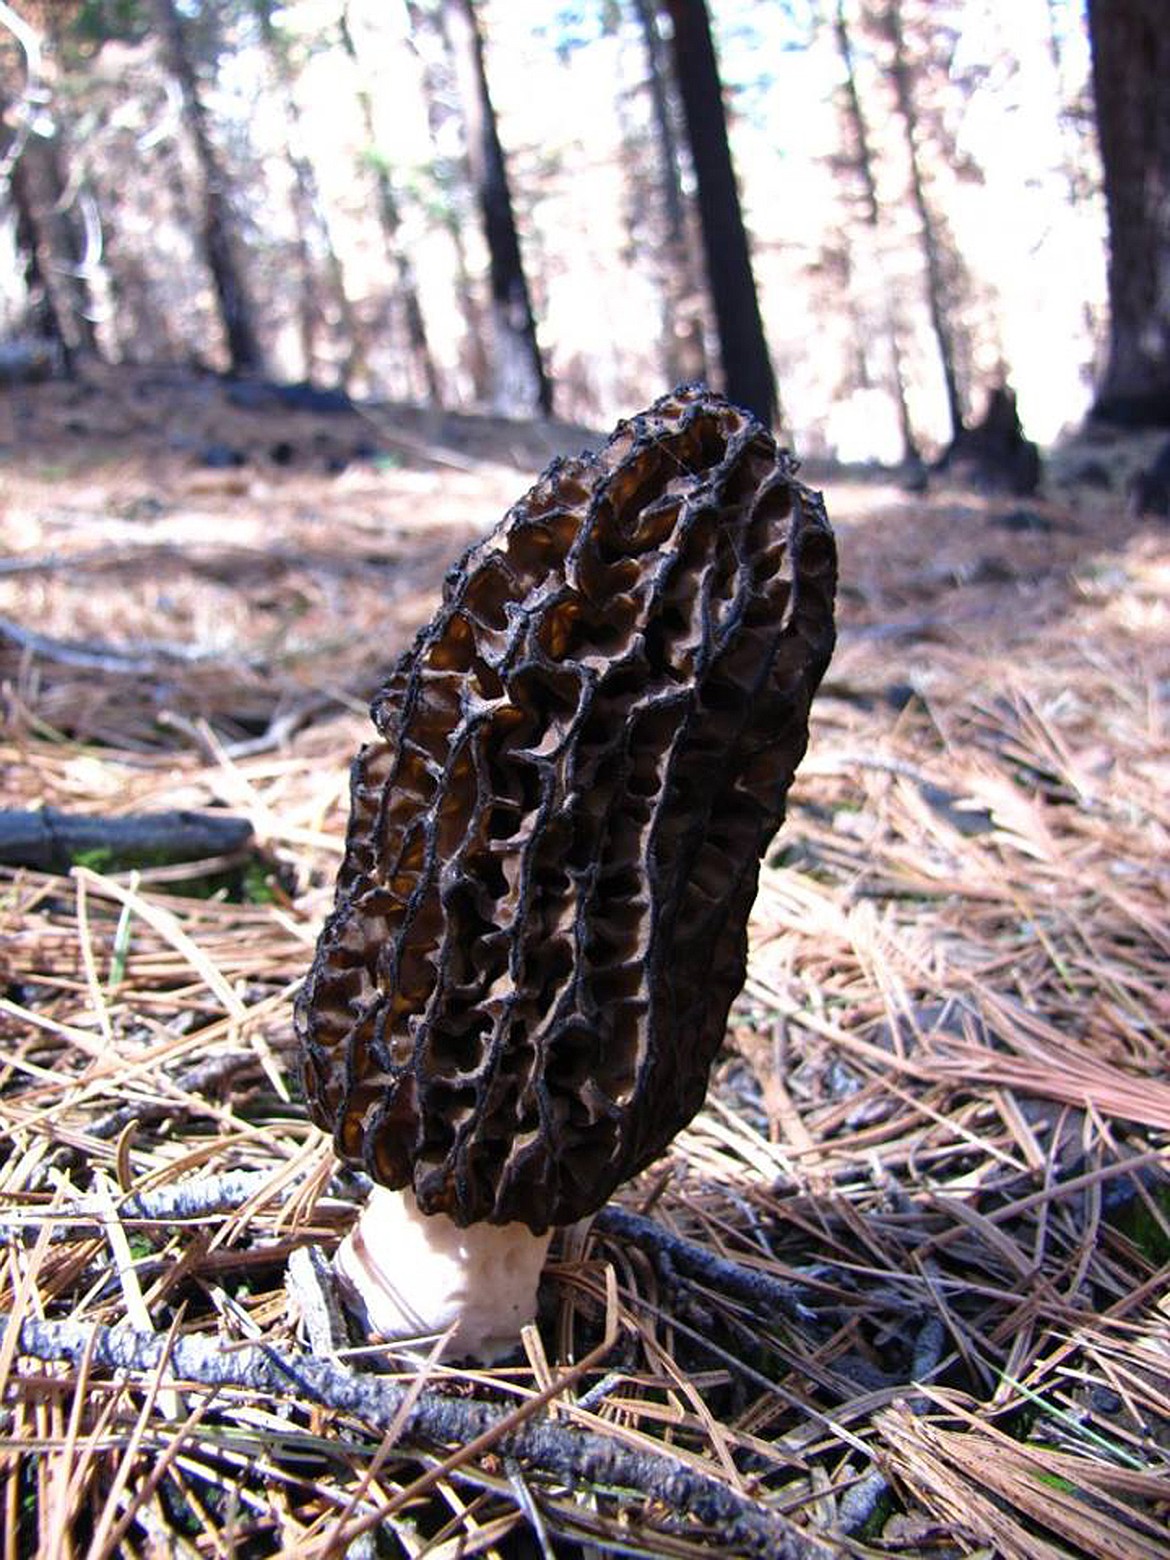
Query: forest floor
{"type": "Point", "coordinates": [902, 1288]}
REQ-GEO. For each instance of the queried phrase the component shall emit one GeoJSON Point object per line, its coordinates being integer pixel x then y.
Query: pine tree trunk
{"type": "Point", "coordinates": [52, 251]}
{"type": "Point", "coordinates": [1131, 81]}
{"type": "Point", "coordinates": [243, 343]}
{"type": "Point", "coordinates": [521, 386]}
{"type": "Point", "coordinates": [388, 216]}
{"type": "Point", "coordinates": [747, 368]}
{"type": "Point", "coordinates": [48, 233]}
{"type": "Point", "coordinates": [865, 168]}
{"type": "Point", "coordinates": [433, 47]}
{"type": "Point", "coordinates": [684, 350]}
{"type": "Point", "coordinates": [937, 300]}
{"type": "Point", "coordinates": [308, 214]}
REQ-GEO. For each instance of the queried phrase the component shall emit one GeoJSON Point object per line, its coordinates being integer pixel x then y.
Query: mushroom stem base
{"type": "Point", "coordinates": [418, 1275]}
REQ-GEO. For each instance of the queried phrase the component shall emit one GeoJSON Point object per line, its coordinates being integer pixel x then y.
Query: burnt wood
{"type": "Point", "coordinates": [52, 841]}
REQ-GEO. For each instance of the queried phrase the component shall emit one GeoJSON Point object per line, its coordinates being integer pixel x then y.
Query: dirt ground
{"type": "Point", "coordinates": [942, 1113]}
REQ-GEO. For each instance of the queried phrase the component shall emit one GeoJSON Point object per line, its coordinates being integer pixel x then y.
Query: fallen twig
{"type": "Point", "coordinates": [99, 658]}
{"type": "Point", "coordinates": [204, 1079]}
{"type": "Point", "coordinates": [565, 1453]}
{"type": "Point", "coordinates": [766, 1295]}
{"type": "Point", "coordinates": [51, 841]}
{"type": "Point", "coordinates": [205, 1197]}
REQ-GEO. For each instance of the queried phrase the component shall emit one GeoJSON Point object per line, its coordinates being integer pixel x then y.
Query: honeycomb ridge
{"type": "Point", "coordinates": [541, 917]}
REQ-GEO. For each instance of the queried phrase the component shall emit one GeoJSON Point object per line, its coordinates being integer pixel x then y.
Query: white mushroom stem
{"type": "Point", "coordinates": [419, 1274]}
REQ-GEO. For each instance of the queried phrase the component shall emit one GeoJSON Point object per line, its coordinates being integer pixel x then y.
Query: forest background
{"type": "Point", "coordinates": [498, 206]}
{"type": "Point", "coordinates": [286, 296]}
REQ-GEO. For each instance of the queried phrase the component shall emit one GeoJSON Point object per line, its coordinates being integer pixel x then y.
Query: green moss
{"type": "Point", "coordinates": [1147, 1227]}
{"type": "Point", "coordinates": [257, 885]}
{"type": "Point", "coordinates": [99, 859]}
{"type": "Point", "coordinates": [251, 882]}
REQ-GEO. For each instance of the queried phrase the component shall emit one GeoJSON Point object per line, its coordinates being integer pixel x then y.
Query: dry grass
{"type": "Point", "coordinates": [943, 1113]}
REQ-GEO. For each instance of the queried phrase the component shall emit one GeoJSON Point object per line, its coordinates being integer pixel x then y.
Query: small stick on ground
{"type": "Point", "coordinates": [565, 1453]}
{"type": "Point", "coordinates": [685, 1258]}
{"type": "Point", "coordinates": [50, 841]}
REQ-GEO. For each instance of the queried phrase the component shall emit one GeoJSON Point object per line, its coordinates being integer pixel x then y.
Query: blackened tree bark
{"type": "Point", "coordinates": [1131, 82]}
{"type": "Point", "coordinates": [520, 382]}
{"type": "Point", "coordinates": [747, 368]}
{"type": "Point", "coordinates": [235, 308]}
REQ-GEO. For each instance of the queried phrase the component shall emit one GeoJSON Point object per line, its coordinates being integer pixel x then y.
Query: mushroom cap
{"type": "Point", "coordinates": [554, 843]}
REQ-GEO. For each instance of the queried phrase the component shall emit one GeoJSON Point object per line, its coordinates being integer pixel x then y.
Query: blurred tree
{"type": "Point", "coordinates": [1131, 82]}
{"type": "Point", "coordinates": [684, 350]}
{"type": "Point", "coordinates": [51, 234]}
{"type": "Point", "coordinates": [388, 216]}
{"type": "Point", "coordinates": [939, 300]}
{"type": "Point", "coordinates": [94, 22]}
{"type": "Point", "coordinates": [520, 384]}
{"type": "Point", "coordinates": [859, 161]}
{"type": "Point", "coordinates": [747, 368]}
{"type": "Point", "coordinates": [215, 227]}
{"type": "Point", "coordinates": [448, 180]}
{"type": "Point", "coordinates": [310, 217]}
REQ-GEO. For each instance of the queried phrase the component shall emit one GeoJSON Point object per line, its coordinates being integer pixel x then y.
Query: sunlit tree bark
{"type": "Point", "coordinates": [747, 368]}
{"type": "Point", "coordinates": [1131, 83]}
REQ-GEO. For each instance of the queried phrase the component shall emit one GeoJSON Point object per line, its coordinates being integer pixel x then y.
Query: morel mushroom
{"type": "Point", "coordinates": [541, 917]}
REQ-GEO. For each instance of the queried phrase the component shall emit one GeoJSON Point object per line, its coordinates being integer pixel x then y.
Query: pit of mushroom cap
{"type": "Point", "coordinates": [418, 1276]}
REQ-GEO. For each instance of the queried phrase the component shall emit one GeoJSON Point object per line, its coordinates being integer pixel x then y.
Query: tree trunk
{"type": "Point", "coordinates": [521, 385]}
{"type": "Point", "coordinates": [388, 215]}
{"type": "Point", "coordinates": [58, 297]}
{"type": "Point", "coordinates": [855, 115]}
{"type": "Point", "coordinates": [1131, 81]}
{"type": "Point", "coordinates": [932, 246]}
{"type": "Point", "coordinates": [235, 308]}
{"type": "Point", "coordinates": [684, 350]}
{"type": "Point", "coordinates": [308, 212]}
{"type": "Point", "coordinates": [429, 40]}
{"type": "Point", "coordinates": [48, 232]}
{"type": "Point", "coordinates": [747, 368]}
